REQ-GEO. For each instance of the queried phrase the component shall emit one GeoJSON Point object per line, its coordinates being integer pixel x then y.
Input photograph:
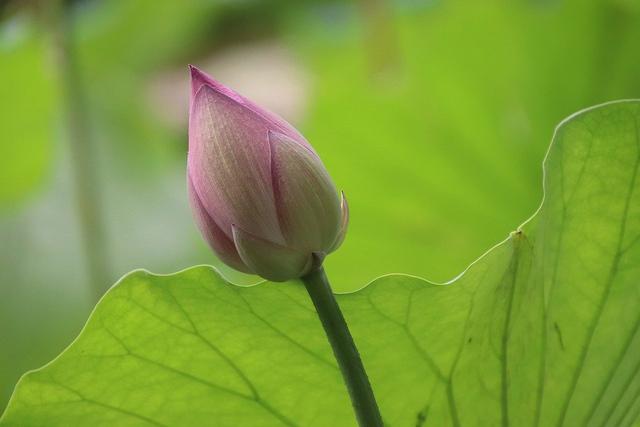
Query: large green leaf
{"type": "Point", "coordinates": [543, 330]}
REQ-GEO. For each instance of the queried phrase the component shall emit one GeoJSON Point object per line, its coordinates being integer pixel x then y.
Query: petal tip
{"type": "Point", "coordinates": [344, 223]}
{"type": "Point", "coordinates": [201, 79]}
{"type": "Point", "coordinates": [344, 205]}
{"type": "Point", "coordinates": [198, 79]}
{"type": "Point", "coordinates": [274, 136]}
{"type": "Point", "coordinates": [196, 73]}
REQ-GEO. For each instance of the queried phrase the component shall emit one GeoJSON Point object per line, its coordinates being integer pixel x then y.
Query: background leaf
{"type": "Point", "coordinates": [440, 135]}
{"type": "Point", "coordinates": [25, 157]}
{"type": "Point", "coordinates": [543, 330]}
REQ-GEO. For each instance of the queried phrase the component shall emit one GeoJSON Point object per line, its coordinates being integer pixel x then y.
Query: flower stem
{"type": "Point", "coordinates": [344, 349]}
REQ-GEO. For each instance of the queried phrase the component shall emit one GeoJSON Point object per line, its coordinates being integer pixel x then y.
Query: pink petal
{"type": "Point", "coordinates": [307, 202]}
{"type": "Point", "coordinates": [221, 244]}
{"type": "Point", "coordinates": [270, 260]}
{"type": "Point", "coordinates": [229, 162]}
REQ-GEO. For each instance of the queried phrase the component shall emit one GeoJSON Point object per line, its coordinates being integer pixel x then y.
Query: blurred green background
{"type": "Point", "coordinates": [432, 115]}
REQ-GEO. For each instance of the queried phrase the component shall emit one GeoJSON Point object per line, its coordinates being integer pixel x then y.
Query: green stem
{"type": "Point", "coordinates": [344, 349]}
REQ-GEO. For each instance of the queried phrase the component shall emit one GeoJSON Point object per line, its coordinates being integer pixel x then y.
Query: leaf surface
{"type": "Point", "coordinates": [543, 330]}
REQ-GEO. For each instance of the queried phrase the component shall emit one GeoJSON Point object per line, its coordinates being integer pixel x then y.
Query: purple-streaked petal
{"type": "Point", "coordinates": [229, 163]}
{"type": "Point", "coordinates": [221, 244]}
{"type": "Point", "coordinates": [270, 260]}
{"type": "Point", "coordinates": [344, 223]}
{"type": "Point", "coordinates": [271, 120]}
{"type": "Point", "coordinates": [307, 202]}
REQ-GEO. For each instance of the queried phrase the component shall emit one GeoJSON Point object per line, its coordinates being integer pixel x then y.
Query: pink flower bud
{"type": "Point", "coordinates": [260, 194]}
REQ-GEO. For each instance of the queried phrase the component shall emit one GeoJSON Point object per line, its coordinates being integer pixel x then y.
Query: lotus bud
{"type": "Point", "coordinates": [260, 194]}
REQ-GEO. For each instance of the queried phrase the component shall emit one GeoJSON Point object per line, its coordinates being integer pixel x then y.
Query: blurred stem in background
{"type": "Point", "coordinates": [380, 35]}
{"type": "Point", "coordinates": [81, 145]}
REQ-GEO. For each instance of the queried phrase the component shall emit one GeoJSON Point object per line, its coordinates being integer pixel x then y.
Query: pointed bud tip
{"type": "Point", "coordinates": [195, 72]}
{"type": "Point", "coordinates": [198, 79]}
